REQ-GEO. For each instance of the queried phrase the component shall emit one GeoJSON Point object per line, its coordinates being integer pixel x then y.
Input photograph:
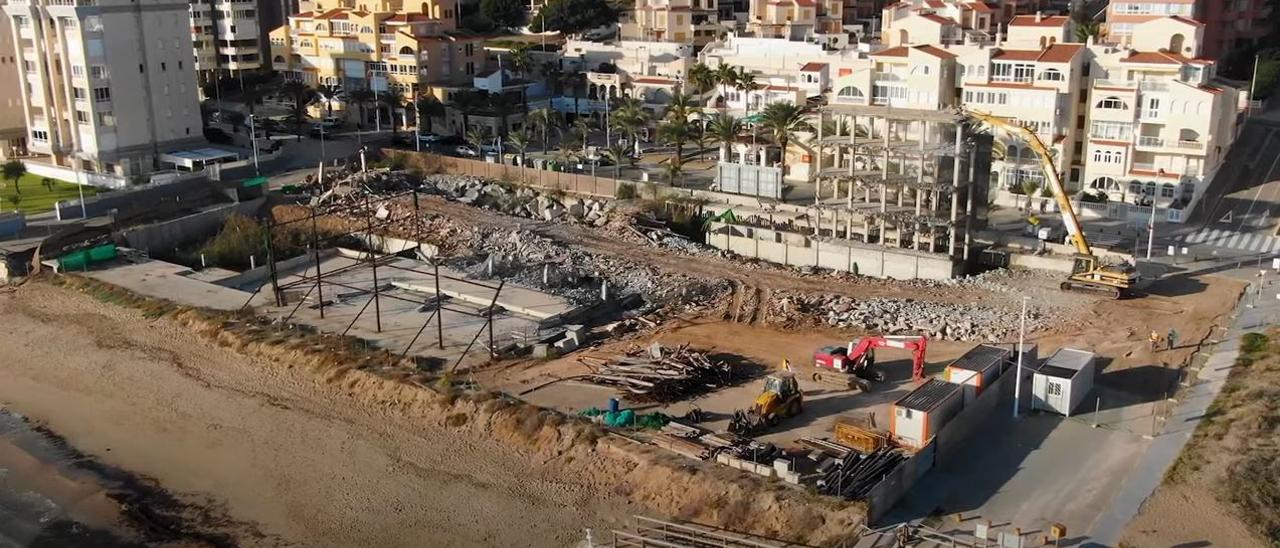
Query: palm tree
{"type": "Point", "coordinates": [543, 121]}
{"type": "Point", "coordinates": [832, 127]}
{"type": "Point", "coordinates": [14, 170]}
{"type": "Point", "coordinates": [501, 106]}
{"type": "Point", "coordinates": [702, 78]}
{"type": "Point", "coordinates": [518, 57]}
{"type": "Point", "coordinates": [676, 131]}
{"type": "Point", "coordinates": [725, 129]}
{"type": "Point", "coordinates": [746, 83]}
{"type": "Point", "coordinates": [477, 137]}
{"type": "Point", "coordinates": [725, 76]}
{"type": "Point", "coordinates": [1086, 30]}
{"type": "Point", "coordinates": [680, 105]}
{"type": "Point", "coordinates": [1029, 187]}
{"type": "Point", "coordinates": [362, 97]}
{"type": "Point", "coordinates": [519, 142]}
{"type": "Point", "coordinates": [674, 171]}
{"type": "Point", "coordinates": [302, 96]}
{"type": "Point", "coordinates": [427, 107]}
{"type": "Point", "coordinates": [572, 81]}
{"type": "Point", "coordinates": [252, 94]}
{"type": "Point", "coordinates": [393, 99]}
{"type": "Point", "coordinates": [468, 102]}
{"type": "Point", "coordinates": [582, 126]}
{"type": "Point", "coordinates": [618, 153]}
{"type": "Point", "coordinates": [630, 118]}
{"type": "Point", "coordinates": [781, 121]}
{"type": "Point", "coordinates": [328, 94]}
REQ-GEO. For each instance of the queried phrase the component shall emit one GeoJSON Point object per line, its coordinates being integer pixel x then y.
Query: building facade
{"type": "Point", "coordinates": [13, 127]}
{"type": "Point", "coordinates": [226, 37]}
{"type": "Point", "coordinates": [106, 85]}
{"type": "Point", "coordinates": [694, 22]}
{"type": "Point", "coordinates": [379, 45]}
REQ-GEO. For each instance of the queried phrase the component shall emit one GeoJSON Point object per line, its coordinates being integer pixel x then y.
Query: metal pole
{"type": "Point", "coordinates": [440, 307]}
{"type": "Point", "coordinates": [253, 138]}
{"type": "Point", "coordinates": [1253, 83]}
{"type": "Point", "coordinates": [315, 250]}
{"type": "Point", "coordinates": [1017, 381]}
{"type": "Point", "coordinates": [373, 261]}
{"type": "Point", "coordinates": [1151, 229]}
{"type": "Point", "coordinates": [271, 266]}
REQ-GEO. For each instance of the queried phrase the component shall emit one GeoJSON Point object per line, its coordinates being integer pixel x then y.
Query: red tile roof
{"type": "Point", "coordinates": [781, 88]}
{"type": "Point", "coordinates": [1110, 143]}
{"type": "Point", "coordinates": [1008, 85]}
{"type": "Point", "coordinates": [1016, 55]}
{"type": "Point", "coordinates": [1060, 53]}
{"type": "Point", "coordinates": [936, 52]}
{"type": "Point", "coordinates": [1030, 21]}
{"type": "Point", "coordinates": [937, 19]}
{"type": "Point", "coordinates": [980, 7]}
{"type": "Point", "coordinates": [1155, 57]}
{"type": "Point", "coordinates": [655, 80]}
{"type": "Point", "coordinates": [900, 51]}
{"type": "Point", "coordinates": [1186, 20]}
{"type": "Point", "coordinates": [813, 67]}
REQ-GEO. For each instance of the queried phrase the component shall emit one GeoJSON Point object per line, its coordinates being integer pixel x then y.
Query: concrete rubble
{"type": "Point", "coordinates": [949, 321]}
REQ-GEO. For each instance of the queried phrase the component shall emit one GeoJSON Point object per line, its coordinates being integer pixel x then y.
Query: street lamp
{"type": "Point", "coordinates": [1017, 381]}
{"type": "Point", "coordinates": [253, 138]}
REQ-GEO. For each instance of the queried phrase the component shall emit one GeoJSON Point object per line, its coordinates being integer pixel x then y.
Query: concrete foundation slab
{"type": "Point", "coordinates": [170, 281]}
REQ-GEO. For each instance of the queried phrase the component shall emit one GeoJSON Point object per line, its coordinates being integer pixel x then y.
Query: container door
{"type": "Point", "coordinates": [1053, 395]}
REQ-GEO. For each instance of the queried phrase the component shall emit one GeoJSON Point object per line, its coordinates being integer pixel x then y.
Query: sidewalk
{"type": "Point", "coordinates": [1208, 378]}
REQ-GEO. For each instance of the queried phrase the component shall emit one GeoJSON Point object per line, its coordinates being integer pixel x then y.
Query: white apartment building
{"type": "Point", "coordinates": [1158, 125]}
{"type": "Point", "coordinates": [13, 127]}
{"type": "Point", "coordinates": [106, 84]}
{"type": "Point", "coordinates": [225, 37]}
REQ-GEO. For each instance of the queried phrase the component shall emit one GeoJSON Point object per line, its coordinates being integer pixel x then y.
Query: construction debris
{"type": "Point", "coordinates": [661, 375]}
{"type": "Point", "coordinates": [937, 320]}
{"type": "Point", "coordinates": [857, 473]}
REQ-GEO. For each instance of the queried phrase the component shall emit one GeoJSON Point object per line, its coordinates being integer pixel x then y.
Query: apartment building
{"type": "Point", "coordinates": [1232, 24]}
{"type": "Point", "coordinates": [693, 22]}
{"type": "Point", "coordinates": [1123, 16]}
{"type": "Point", "coordinates": [106, 85]}
{"type": "Point", "coordinates": [379, 44]}
{"type": "Point", "coordinates": [226, 37]}
{"type": "Point", "coordinates": [13, 128]}
{"type": "Point", "coordinates": [795, 19]}
{"type": "Point", "coordinates": [1158, 124]}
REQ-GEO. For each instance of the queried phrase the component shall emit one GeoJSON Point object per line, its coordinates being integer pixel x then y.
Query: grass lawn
{"type": "Point", "coordinates": [36, 198]}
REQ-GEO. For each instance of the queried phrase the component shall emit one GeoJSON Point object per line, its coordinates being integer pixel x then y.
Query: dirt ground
{"type": "Point", "coordinates": [1187, 515]}
{"type": "Point", "coordinates": [277, 448]}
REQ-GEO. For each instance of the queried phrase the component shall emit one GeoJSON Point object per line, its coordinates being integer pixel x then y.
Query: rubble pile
{"type": "Point", "coordinates": [657, 374]}
{"type": "Point", "coordinates": [937, 320]}
{"type": "Point", "coordinates": [518, 201]}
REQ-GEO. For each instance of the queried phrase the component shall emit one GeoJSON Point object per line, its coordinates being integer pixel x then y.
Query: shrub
{"type": "Point", "coordinates": [1253, 343]}
{"type": "Point", "coordinates": [626, 191]}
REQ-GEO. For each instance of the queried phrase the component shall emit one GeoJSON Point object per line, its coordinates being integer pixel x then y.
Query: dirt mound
{"type": "Point", "coordinates": [663, 483]}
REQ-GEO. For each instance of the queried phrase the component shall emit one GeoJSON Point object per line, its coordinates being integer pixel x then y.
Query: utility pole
{"type": "Point", "coordinates": [253, 138]}
{"type": "Point", "coordinates": [1017, 381]}
{"type": "Point", "coordinates": [1151, 229]}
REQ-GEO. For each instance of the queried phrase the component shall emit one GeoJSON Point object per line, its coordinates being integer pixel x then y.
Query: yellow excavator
{"type": "Point", "coordinates": [1088, 272]}
{"type": "Point", "coordinates": [780, 399]}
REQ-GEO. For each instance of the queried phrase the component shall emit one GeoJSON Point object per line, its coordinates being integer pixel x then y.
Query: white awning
{"type": "Point", "coordinates": [194, 159]}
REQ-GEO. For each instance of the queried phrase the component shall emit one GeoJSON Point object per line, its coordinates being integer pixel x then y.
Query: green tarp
{"type": "Point", "coordinates": [256, 181]}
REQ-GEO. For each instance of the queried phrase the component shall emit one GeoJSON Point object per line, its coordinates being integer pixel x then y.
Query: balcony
{"type": "Point", "coordinates": [1189, 145]}
{"type": "Point", "coordinates": [1144, 167]}
{"type": "Point", "coordinates": [387, 38]}
{"type": "Point", "coordinates": [1144, 141]}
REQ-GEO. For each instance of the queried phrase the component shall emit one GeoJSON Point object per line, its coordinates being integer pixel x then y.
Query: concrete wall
{"type": "Point", "coordinates": [256, 276]}
{"type": "Point", "coordinates": [798, 250]}
{"type": "Point", "coordinates": [389, 245]}
{"type": "Point", "coordinates": [898, 482]}
{"type": "Point", "coordinates": [141, 199]}
{"type": "Point", "coordinates": [164, 236]}
{"type": "Point", "coordinates": [749, 179]}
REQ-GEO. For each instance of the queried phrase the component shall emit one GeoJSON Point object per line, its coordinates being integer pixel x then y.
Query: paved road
{"type": "Point", "coordinates": [1191, 407]}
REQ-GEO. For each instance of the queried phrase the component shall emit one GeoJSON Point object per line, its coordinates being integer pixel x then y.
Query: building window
{"type": "Point", "coordinates": [1012, 72]}
{"type": "Point", "coordinates": [1052, 75]}
{"type": "Point", "coordinates": [1108, 156]}
{"type": "Point", "coordinates": [1166, 190]}
{"type": "Point", "coordinates": [98, 71]}
{"type": "Point", "coordinates": [39, 135]}
{"type": "Point", "coordinates": [163, 67]}
{"type": "Point", "coordinates": [77, 71]}
{"type": "Point", "coordinates": [1114, 131]}
{"type": "Point", "coordinates": [106, 118]}
{"type": "Point", "coordinates": [82, 117]}
{"type": "Point", "coordinates": [101, 94]}
{"type": "Point", "coordinates": [79, 93]}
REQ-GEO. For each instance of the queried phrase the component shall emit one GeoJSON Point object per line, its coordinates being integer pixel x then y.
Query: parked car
{"type": "Point", "coordinates": [464, 150]}
{"type": "Point", "coordinates": [429, 138]}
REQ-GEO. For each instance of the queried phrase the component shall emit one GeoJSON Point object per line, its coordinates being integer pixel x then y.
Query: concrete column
{"type": "Point", "coordinates": [817, 186]}
{"type": "Point", "coordinates": [968, 187]}
{"type": "Point", "coordinates": [924, 132]}
{"type": "Point", "coordinates": [955, 195]}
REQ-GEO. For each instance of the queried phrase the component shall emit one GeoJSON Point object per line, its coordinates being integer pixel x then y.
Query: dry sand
{"type": "Point", "coordinates": [293, 456]}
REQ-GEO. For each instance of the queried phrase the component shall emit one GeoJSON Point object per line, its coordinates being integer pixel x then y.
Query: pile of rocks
{"type": "Point", "coordinates": [518, 201]}
{"type": "Point", "coordinates": [938, 320]}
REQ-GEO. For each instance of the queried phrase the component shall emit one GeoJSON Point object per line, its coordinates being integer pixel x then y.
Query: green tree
{"type": "Point", "coordinates": [781, 121]}
{"type": "Point", "coordinates": [13, 171]}
{"type": "Point", "coordinates": [477, 137]}
{"type": "Point", "coordinates": [725, 76]}
{"type": "Point", "coordinates": [362, 97]}
{"type": "Point", "coordinates": [675, 173]}
{"type": "Point", "coordinates": [676, 132]}
{"type": "Point", "coordinates": [519, 142]}
{"type": "Point", "coordinates": [503, 13]}
{"type": "Point", "coordinates": [468, 102]}
{"type": "Point", "coordinates": [544, 121]}
{"type": "Point", "coordinates": [574, 16]}
{"type": "Point", "coordinates": [518, 58]}
{"type": "Point", "coordinates": [301, 96]}
{"type": "Point", "coordinates": [725, 129]}
{"type": "Point", "coordinates": [329, 94]}
{"type": "Point", "coordinates": [1086, 30]}
{"type": "Point", "coordinates": [1029, 187]}
{"type": "Point", "coordinates": [427, 107]}
{"type": "Point", "coordinates": [630, 119]}
{"type": "Point", "coordinates": [702, 78]}
{"type": "Point", "coordinates": [393, 99]}
{"type": "Point", "coordinates": [619, 153]}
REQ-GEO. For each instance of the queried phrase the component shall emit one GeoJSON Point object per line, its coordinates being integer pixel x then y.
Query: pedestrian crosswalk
{"type": "Point", "coordinates": [1220, 237]}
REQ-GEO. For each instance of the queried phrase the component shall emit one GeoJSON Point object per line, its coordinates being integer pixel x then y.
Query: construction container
{"type": "Point", "coordinates": [920, 415]}
{"type": "Point", "coordinates": [860, 433]}
{"type": "Point", "coordinates": [1062, 381]}
{"type": "Point", "coordinates": [978, 368]}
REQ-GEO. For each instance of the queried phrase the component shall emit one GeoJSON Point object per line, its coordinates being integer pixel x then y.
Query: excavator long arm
{"type": "Point", "coordinates": [1032, 140]}
{"type": "Point", "coordinates": [918, 345]}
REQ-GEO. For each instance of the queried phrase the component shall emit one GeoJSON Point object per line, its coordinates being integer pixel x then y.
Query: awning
{"type": "Point", "coordinates": [256, 181]}
{"type": "Point", "coordinates": [192, 159]}
{"type": "Point", "coordinates": [753, 119]}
